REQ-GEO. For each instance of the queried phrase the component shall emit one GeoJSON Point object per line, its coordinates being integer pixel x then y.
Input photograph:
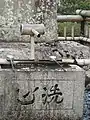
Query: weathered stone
{"type": "Point", "coordinates": [13, 13]}
{"type": "Point", "coordinates": [36, 94]}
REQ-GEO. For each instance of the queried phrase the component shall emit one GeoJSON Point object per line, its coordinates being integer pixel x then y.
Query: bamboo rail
{"type": "Point", "coordinates": [81, 62]}
{"type": "Point", "coordinates": [85, 13]}
{"type": "Point", "coordinates": [71, 18]}
{"type": "Point", "coordinates": [69, 38]}
{"type": "Point", "coordinates": [74, 39]}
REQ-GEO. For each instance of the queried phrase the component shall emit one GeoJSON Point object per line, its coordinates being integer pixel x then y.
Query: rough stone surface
{"type": "Point", "coordinates": [14, 86]}
{"type": "Point", "coordinates": [15, 12]}
{"type": "Point", "coordinates": [35, 93]}
{"type": "Point", "coordinates": [43, 50]}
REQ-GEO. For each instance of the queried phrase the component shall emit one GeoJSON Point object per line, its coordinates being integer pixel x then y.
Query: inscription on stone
{"type": "Point", "coordinates": [54, 96]}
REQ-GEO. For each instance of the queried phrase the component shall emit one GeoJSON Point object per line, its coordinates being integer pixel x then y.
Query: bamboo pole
{"type": "Point", "coordinates": [71, 18]}
{"type": "Point", "coordinates": [69, 38]}
{"type": "Point", "coordinates": [65, 30]}
{"type": "Point", "coordinates": [84, 13]}
{"type": "Point", "coordinates": [75, 39]}
{"type": "Point", "coordinates": [84, 39]}
{"type": "Point", "coordinates": [32, 29]}
{"type": "Point", "coordinates": [32, 48]}
{"type": "Point", "coordinates": [72, 34]}
{"type": "Point", "coordinates": [81, 62]}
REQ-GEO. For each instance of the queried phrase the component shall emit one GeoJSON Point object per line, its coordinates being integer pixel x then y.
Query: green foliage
{"type": "Point", "coordinates": [85, 5]}
{"type": "Point", "coordinates": [70, 6]}
{"type": "Point", "coordinates": [69, 27]}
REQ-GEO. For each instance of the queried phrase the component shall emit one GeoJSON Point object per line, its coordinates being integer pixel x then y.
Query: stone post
{"type": "Point", "coordinates": [45, 12]}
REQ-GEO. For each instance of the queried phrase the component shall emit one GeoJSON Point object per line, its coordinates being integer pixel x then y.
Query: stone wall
{"type": "Point", "coordinates": [40, 93]}
{"type": "Point", "coordinates": [15, 12]}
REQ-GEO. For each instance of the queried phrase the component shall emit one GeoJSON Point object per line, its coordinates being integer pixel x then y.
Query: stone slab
{"type": "Point", "coordinates": [46, 92]}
